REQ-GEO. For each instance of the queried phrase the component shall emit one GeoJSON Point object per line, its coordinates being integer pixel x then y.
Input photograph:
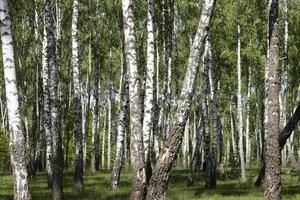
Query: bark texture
{"type": "Point", "coordinates": [272, 149]}
{"type": "Point", "coordinates": [115, 179]}
{"type": "Point", "coordinates": [239, 98]}
{"type": "Point", "coordinates": [136, 139]}
{"type": "Point", "coordinates": [78, 175]}
{"type": "Point", "coordinates": [57, 185]}
{"type": "Point", "coordinates": [16, 135]}
{"type": "Point", "coordinates": [159, 180]}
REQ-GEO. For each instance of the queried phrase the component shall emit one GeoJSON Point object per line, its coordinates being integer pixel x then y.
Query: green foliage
{"type": "Point", "coordinates": [4, 152]}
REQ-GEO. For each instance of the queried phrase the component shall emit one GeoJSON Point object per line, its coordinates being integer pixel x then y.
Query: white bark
{"type": "Point", "coordinates": [77, 101]}
{"type": "Point", "coordinates": [47, 111]}
{"type": "Point", "coordinates": [159, 180]}
{"type": "Point", "coordinates": [239, 98]}
{"type": "Point", "coordinates": [136, 140]}
{"type": "Point", "coordinates": [148, 101]}
{"type": "Point", "coordinates": [16, 135]}
{"type": "Point", "coordinates": [247, 135]}
{"type": "Point", "coordinates": [103, 138]}
{"type": "Point", "coordinates": [234, 149]}
{"type": "Point", "coordinates": [185, 146]}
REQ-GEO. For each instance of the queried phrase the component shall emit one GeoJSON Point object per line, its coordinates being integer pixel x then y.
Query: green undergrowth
{"type": "Point", "coordinates": [97, 186]}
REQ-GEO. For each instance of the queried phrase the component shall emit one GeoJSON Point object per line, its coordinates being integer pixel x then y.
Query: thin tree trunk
{"type": "Point", "coordinates": [232, 130]}
{"type": "Point", "coordinates": [206, 131]}
{"type": "Point", "coordinates": [239, 98]}
{"type": "Point", "coordinates": [272, 150]}
{"type": "Point", "coordinates": [195, 152]}
{"type": "Point", "coordinates": [159, 181]}
{"type": "Point", "coordinates": [78, 175]}
{"type": "Point", "coordinates": [104, 138]}
{"type": "Point", "coordinates": [214, 111]}
{"type": "Point", "coordinates": [247, 136]}
{"type": "Point", "coordinates": [95, 160]}
{"type": "Point", "coordinates": [110, 107]}
{"type": "Point", "coordinates": [115, 180]}
{"type": "Point", "coordinates": [16, 135]}
{"type": "Point", "coordinates": [185, 144]}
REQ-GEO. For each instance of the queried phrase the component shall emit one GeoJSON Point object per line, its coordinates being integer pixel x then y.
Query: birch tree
{"type": "Point", "coordinates": [47, 111]}
{"type": "Point", "coordinates": [206, 132]}
{"type": "Point", "coordinates": [16, 135]}
{"type": "Point", "coordinates": [239, 98]}
{"type": "Point", "coordinates": [78, 175]}
{"type": "Point", "coordinates": [95, 160]}
{"type": "Point", "coordinates": [149, 90]}
{"type": "Point", "coordinates": [115, 180]}
{"type": "Point", "coordinates": [136, 139]}
{"type": "Point", "coordinates": [57, 185]}
{"type": "Point", "coordinates": [247, 133]}
{"type": "Point", "coordinates": [160, 178]}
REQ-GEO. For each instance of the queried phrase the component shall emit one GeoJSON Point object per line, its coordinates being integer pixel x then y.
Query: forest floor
{"type": "Point", "coordinates": [97, 186]}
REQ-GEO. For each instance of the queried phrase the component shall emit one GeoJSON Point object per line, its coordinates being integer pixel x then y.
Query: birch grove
{"type": "Point", "coordinates": [171, 99]}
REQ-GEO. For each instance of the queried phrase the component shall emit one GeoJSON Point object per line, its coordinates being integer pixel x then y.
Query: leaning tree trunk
{"type": "Point", "coordinates": [136, 139]}
{"type": "Point", "coordinates": [159, 181]}
{"type": "Point", "coordinates": [57, 184]}
{"type": "Point", "coordinates": [239, 98]}
{"type": "Point", "coordinates": [16, 135]}
{"type": "Point", "coordinates": [272, 150]}
{"type": "Point", "coordinates": [78, 175]}
{"type": "Point", "coordinates": [115, 179]}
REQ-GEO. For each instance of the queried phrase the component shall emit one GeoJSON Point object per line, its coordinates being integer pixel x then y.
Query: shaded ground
{"type": "Point", "coordinates": [97, 186]}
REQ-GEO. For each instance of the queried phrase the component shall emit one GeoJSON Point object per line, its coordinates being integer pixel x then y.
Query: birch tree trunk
{"type": "Point", "coordinates": [159, 180]}
{"type": "Point", "coordinates": [57, 185]}
{"type": "Point", "coordinates": [110, 107]}
{"type": "Point", "coordinates": [185, 144]}
{"type": "Point", "coordinates": [239, 98]}
{"type": "Point", "coordinates": [206, 132]}
{"type": "Point", "coordinates": [232, 130]}
{"type": "Point", "coordinates": [272, 150]}
{"type": "Point", "coordinates": [103, 138]}
{"type": "Point", "coordinates": [78, 175]}
{"type": "Point", "coordinates": [136, 139]}
{"type": "Point", "coordinates": [95, 160]}
{"type": "Point", "coordinates": [247, 136]}
{"type": "Point", "coordinates": [16, 135]}
{"type": "Point", "coordinates": [195, 152]}
{"type": "Point", "coordinates": [115, 180]}
{"type": "Point", "coordinates": [47, 111]}
{"type": "Point", "coordinates": [35, 129]}
{"type": "Point", "coordinates": [214, 111]}
{"type": "Point", "coordinates": [149, 90]}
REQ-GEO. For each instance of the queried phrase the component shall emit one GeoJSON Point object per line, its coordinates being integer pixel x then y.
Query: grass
{"type": "Point", "coordinates": [97, 186]}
